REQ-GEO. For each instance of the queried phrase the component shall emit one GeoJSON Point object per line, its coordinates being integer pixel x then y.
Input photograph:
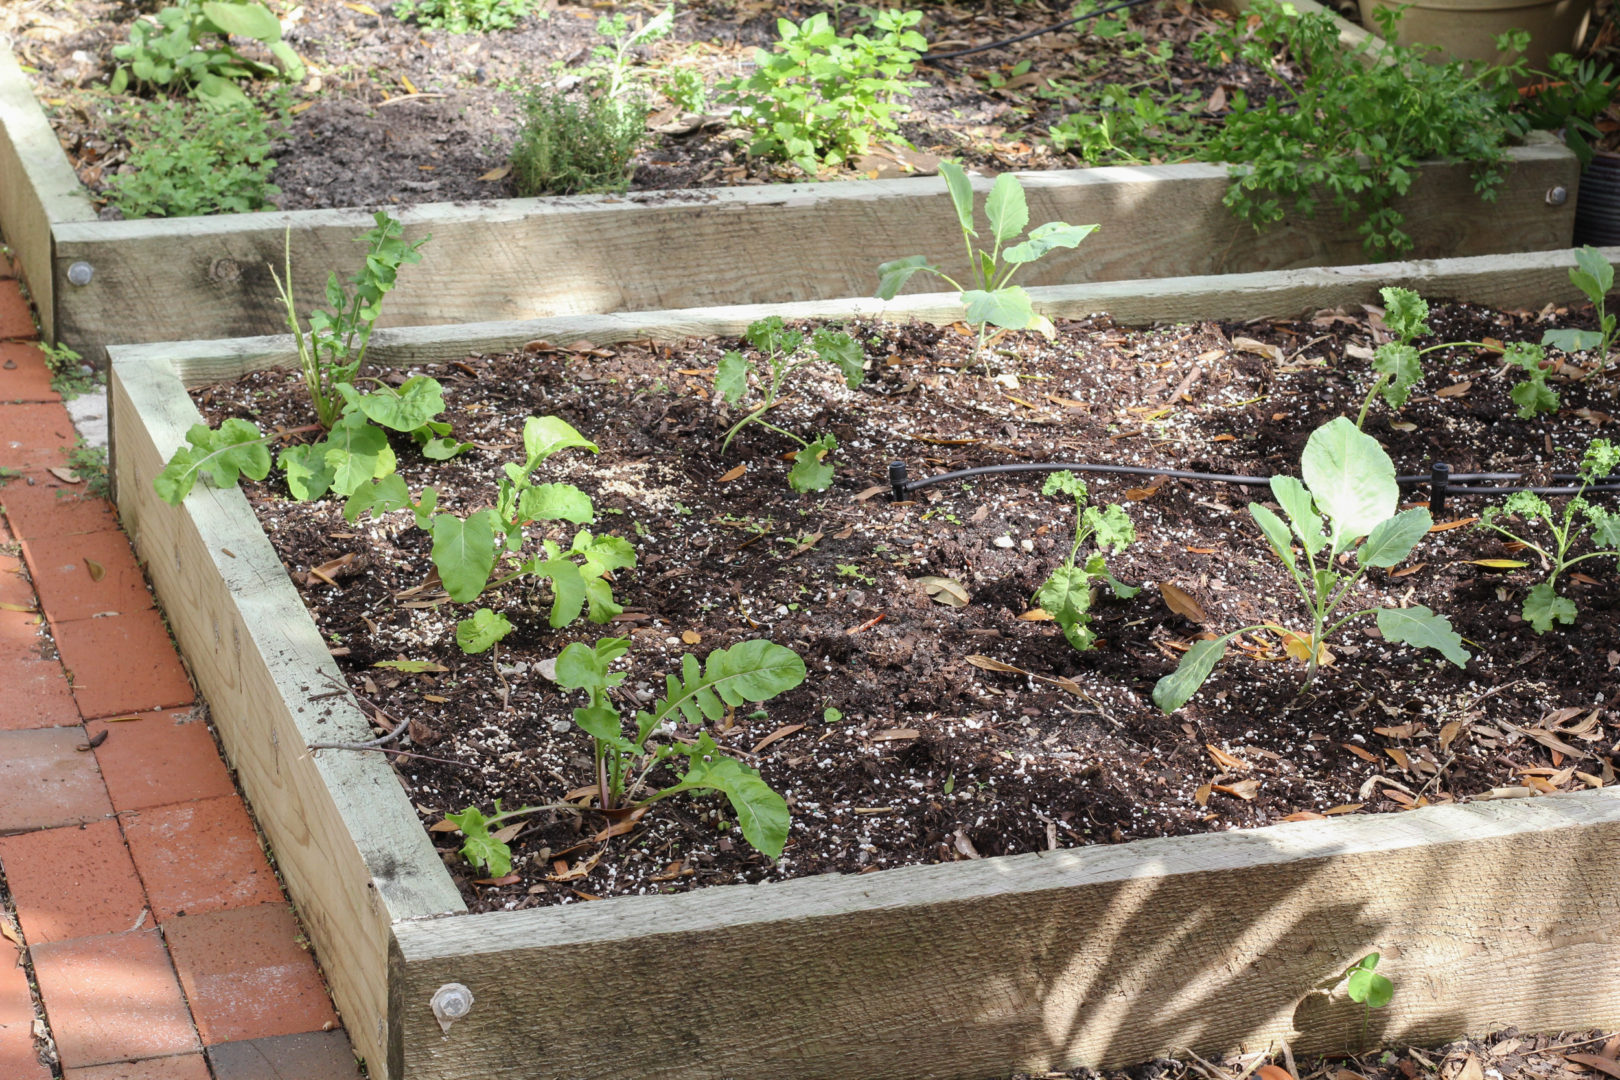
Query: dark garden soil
{"type": "Point", "coordinates": [396, 114]}
{"type": "Point", "coordinates": [931, 753]}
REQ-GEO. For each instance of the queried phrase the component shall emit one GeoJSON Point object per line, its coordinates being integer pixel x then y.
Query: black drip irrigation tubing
{"type": "Point", "coordinates": [934, 58]}
{"type": "Point", "coordinates": [1439, 480]}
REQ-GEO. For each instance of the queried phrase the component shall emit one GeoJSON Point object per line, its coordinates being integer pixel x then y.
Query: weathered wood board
{"type": "Point", "coordinates": [1502, 912]}
{"type": "Point", "coordinates": [159, 279]}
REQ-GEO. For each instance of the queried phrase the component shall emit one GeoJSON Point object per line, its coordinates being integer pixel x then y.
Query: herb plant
{"type": "Point", "coordinates": [187, 47]}
{"type": "Point", "coordinates": [1349, 480]}
{"type": "Point", "coordinates": [613, 56]}
{"type": "Point", "coordinates": [820, 99]}
{"type": "Point", "coordinates": [334, 347]}
{"type": "Point", "coordinates": [1368, 989]}
{"type": "Point", "coordinates": [1543, 605]}
{"type": "Point", "coordinates": [755, 670]}
{"type": "Point", "coordinates": [781, 349]}
{"type": "Point", "coordinates": [1593, 275]}
{"type": "Point", "coordinates": [463, 16]}
{"type": "Point", "coordinates": [188, 159]}
{"type": "Point", "coordinates": [578, 142]}
{"type": "Point", "coordinates": [1067, 594]}
{"type": "Point", "coordinates": [995, 301]}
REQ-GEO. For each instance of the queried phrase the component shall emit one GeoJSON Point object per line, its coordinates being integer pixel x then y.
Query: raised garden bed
{"type": "Point", "coordinates": [1099, 955]}
{"type": "Point", "coordinates": [107, 282]}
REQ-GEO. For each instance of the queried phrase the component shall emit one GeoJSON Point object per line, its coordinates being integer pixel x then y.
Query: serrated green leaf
{"type": "Point", "coordinates": [482, 630]}
{"type": "Point", "coordinates": [813, 465]}
{"type": "Point", "coordinates": [464, 552]}
{"type": "Point", "coordinates": [1006, 208]}
{"type": "Point", "coordinates": [481, 848]}
{"type": "Point", "coordinates": [1065, 482]}
{"type": "Point", "coordinates": [756, 670]}
{"type": "Point", "coordinates": [1393, 539]}
{"type": "Point", "coordinates": [1543, 606]}
{"type": "Point", "coordinates": [843, 351]}
{"type": "Point", "coordinates": [1175, 689]}
{"type": "Point", "coordinates": [1111, 528]}
{"type": "Point", "coordinates": [1066, 596]}
{"type": "Point", "coordinates": [761, 813]}
{"type": "Point", "coordinates": [1404, 368]}
{"type": "Point", "coordinates": [235, 449]}
{"type": "Point", "coordinates": [1422, 629]}
{"type": "Point", "coordinates": [1405, 312]}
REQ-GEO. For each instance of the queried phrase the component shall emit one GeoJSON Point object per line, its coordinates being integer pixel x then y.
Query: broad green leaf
{"type": "Point", "coordinates": [381, 497]}
{"type": "Point", "coordinates": [481, 848]}
{"type": "Point", "coordinates": [1543, 606]}
{"type": "Point", "coordinates": [567, 590]}
{"type": "Point", "coordinates": [1394, 538]}
{"type": "Point", "coordinates": [756, 670]}
{"type": "Point", "coordinates": [291, 63]}
{"type": "Point", "coordinates": [235, 449]}
{"type": "Point", "coordinates": [1173, 691]}
{"type": "Point", "coordinates": [246, 20]}
{"type": "Point", "coordinates": [893, 275]}
{"type": "Point", "coordinates": [838, 348]}
{"type": "Point", "coordinates": [418, 400]}
{"type": "Point", "coordinates": [356, 452]}
{"type": "Point", "coordinates": [482, 630]}
{"type": "Point", "coordinates": [731, 377]}
{"type": "Point", "coordinates": [545, 435]}
{"type": "Point", "coordinates": [600, 607]}
{"type": "Point", "coordinates": [464, 552]}
{"type": "Point", "coordinates": [1367, 987]}
{"type": "Point", "coordinates": [1598, 278]}
{"type": "Point", "coordinates": [1008, 307]}
{"type": "Point", "coordinates": [1351, 479]}
{"type": "Point", "coordinates": [1047, 237]}
{"type": "Point", "coordinates": [435, 449]}
{"type": "Point", "coordinates": [1422, 629]}
{"type": "Point", "coordinates": [1066, 596]}
{"type": "Point", "coordinates": [1533, 396]}
{"type": "Point", "coordinates": [1572, 341]}
{"type": "Point", "coordinates": [961, 189]}
{"type": "Point", "coordinates": [307, 472]}
{"type": "Point", "coordinates": [761, 812]}
{"type": "Point", "coordinates": [813, 465]}
{"type": "Point", "coordinates": [1405, 312]}
{"type": "Point", "coordinates": [1401, 363]}
{"type": "Point", "coordinates": [555, 502]}
{"type": "Point", "coordinates": [1302, 513]}
{"type": "Point", "coordinates": [1006, 208]}
{"type": "Point", "coordinates": [1282, 542]}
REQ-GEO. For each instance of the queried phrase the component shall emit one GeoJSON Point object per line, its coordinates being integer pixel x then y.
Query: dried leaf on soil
{"type": "Point", "coordinates": [732, 474]}
{"type": "Point", "coordinates": [1226, 761]}
{"type": "Point", "coordinates": [1180, 602]}
{"type": "Point", "coordinates": [945, 591]}
{"type": "Point", "coordinates": [97, 571]}
{"type": "Point", "coordinates": [780, 733]}
{"type": "Point", "coordinates": [1243, 789]}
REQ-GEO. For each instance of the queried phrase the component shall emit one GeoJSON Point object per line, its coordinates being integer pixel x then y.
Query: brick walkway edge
{"type": "Point", "coordinates": [143, 933]}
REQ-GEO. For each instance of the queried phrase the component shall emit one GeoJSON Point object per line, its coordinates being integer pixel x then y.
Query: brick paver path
{"type": "Point", "coordinates": [140, 908]}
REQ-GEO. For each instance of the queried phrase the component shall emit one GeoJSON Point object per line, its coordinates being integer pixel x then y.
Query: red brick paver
{"type": "Point", "coordinates": [247, 975]}
{"type": "Point", "coordinates": [152, 921]}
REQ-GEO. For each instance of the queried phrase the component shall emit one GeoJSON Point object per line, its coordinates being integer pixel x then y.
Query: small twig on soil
{"type": "Point", "coordinates": [370, 744]}
{"type": "Point", "coordinates": [506, 687]}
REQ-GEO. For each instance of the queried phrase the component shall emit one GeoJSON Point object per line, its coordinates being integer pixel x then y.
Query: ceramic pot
{"type": "Point", "coordinates": [1466, 29]}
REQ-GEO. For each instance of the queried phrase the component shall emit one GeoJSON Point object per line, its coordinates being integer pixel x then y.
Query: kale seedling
{"type": "Point", "coordinates": [1067, 594]}
{"type": "Point", "coordinates": [1593, 275]}
{"type": "Point", "coordinates": [1542, 605]}
{"type": "Point", "coordinates": [1350, 481]}
{"type": "Point", "coordinates": [1368, 989]}
{"type": "Point", "coordinates": [812, 466]}
{"type": "Point", "coordinates": [995, 301]}
{"type": "Point", "coordinates": [755, 671]}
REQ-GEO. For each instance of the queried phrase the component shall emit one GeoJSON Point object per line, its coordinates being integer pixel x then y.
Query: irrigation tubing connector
{"type": "Point", "coordinates": [934, 58]}
{"type": "Point", "coordinates": [1440, 480]}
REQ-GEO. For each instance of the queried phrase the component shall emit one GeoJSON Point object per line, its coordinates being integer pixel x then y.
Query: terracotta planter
{"type": "Point", "coordinates": [1466, 29]}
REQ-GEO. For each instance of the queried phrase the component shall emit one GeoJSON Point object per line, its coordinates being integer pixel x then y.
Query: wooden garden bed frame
{"type": "Point", "coordinates": [99, 283]}
{"type": "Point", "coordinates": [1488, 913]}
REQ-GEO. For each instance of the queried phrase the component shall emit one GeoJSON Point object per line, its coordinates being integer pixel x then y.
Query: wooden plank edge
{"type": "Point", "coordinates": [348, 843]}
{"type": "Point", "coordinates": [1100, 956]}
{"type": "Point", "coordinates": [1526, 280]}
{"type": "Point", "coordinates": [38, 187]}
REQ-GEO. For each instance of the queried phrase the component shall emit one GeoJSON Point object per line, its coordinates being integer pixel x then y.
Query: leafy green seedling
{"type": "Point", "coordinates": [463, 16]}
{"type": "Point", "coordinates": [1350, 481]}
{"type": "Point", "coordinates": [1067, 594]}
{"type": "Point", "coordinates": [781, 349]}
{"type": "Point", "coordinates": [1593, 275]}
{"type": "Point", "coordinates": [187, 47]}
{"type": "Point", "coordinates": [1368, 989]}
{"type": "Point", "coordinates": [755, 670]}
{"type": "Point", "coordinates": [1399, 363]}
{"type": "Point", "coordinates": [995, 301]}
{"type": "Point", "coordinates": [1543, 606]}
{"type": "Point", "coordinates": [235, 449]}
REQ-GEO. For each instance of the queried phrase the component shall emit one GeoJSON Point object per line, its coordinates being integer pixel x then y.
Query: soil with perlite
{"type": "Point", "coordinates": [961, 731]}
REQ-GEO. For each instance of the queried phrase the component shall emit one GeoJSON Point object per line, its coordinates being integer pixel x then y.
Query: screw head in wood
{"type": "Point", "coordinates": [80, 273]}
{"type": "Point", "coordinates": [1558, 196]}
{"type": "Point", "coordinates": [450, 1003]}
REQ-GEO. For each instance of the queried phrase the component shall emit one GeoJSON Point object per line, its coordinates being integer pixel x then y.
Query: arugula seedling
{"type": "Point", "coordinates": [1368, 989]}
{"type": "Point", "coordinates": [1593, 275]}
{"type": "Point", "coordinates": [1349, 480]}
{"type": "Point", "coordinates": [995, 301]}
{"type": "Point", "coordinates": [812, 466]}
{"type": "Point", "coordinates": [756, 671]}
{"type": "Point", "coordinates": [1067, 594]}
{"type": "Point", "coordinates": [1399, 362]}
{"type": "Point", "coordinates": [1543, 606]}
